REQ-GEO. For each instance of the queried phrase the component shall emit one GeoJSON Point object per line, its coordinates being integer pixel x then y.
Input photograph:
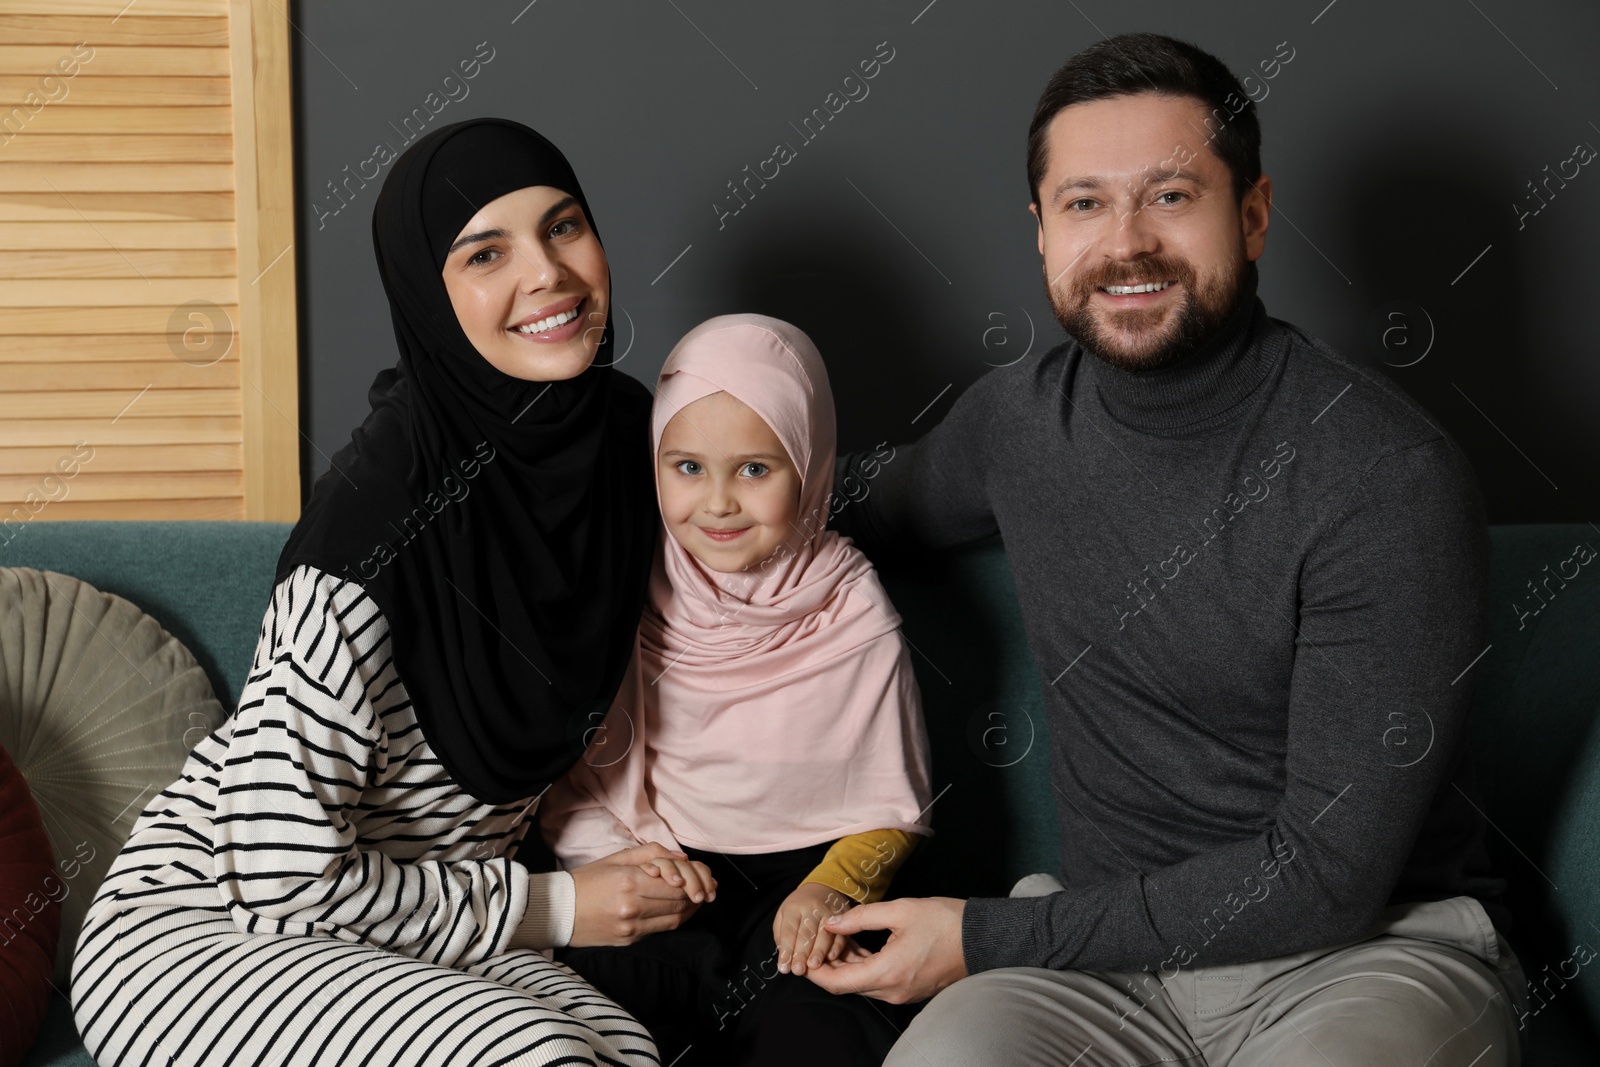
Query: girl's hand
{"type": "Point", "coordinates": [802, 939]}
{"type": "Point", "coordinates": [618, 903]}
{"type": "Point", "coordinates": [692, 876]}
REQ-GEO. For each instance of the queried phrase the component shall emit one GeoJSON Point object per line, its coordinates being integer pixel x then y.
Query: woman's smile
{"type": "Point", "coordinates": [554, 323]}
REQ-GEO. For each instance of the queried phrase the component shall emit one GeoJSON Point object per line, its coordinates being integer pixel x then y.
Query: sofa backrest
{"type": "Point", "coordinates": [1536, 750]}
{"type": "Point", "coordinates": [206, 583]}
{"type": "Point", "coordinates": [994, 817]}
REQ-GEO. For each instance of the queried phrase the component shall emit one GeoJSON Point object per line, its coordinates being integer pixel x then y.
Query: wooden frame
{"type": "Point", "coordinates": [264, 209]}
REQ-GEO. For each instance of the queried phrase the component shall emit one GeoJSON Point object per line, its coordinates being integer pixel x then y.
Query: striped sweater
{"type": "Point", "coordinates": [318, 808]}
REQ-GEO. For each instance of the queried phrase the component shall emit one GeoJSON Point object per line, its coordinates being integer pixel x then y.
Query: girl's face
{"type": "Point", "coordinates": [530, 284]}
{"type": "Point", "coordinates": [729, 492]}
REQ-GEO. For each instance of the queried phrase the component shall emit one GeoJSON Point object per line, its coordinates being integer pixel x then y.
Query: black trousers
{"type": "Point", "coordinates": [710, 992]}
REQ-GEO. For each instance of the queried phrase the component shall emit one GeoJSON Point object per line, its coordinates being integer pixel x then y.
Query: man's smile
{"type": "Point", "coordinates": [1146, 287]}
{"type": "Point", "coordinates": [1142, 294]}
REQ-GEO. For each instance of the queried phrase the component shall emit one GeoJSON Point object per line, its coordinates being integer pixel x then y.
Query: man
{"type": "Point", "coordinates": [1259, 563]}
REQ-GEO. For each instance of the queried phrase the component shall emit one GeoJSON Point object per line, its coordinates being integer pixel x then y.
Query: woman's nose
{"type": "Point", "coordinates": [540, 270]}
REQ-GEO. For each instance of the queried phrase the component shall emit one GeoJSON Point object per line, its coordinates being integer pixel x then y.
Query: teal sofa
{"type": "Point", "coordinates": [1534, 738]}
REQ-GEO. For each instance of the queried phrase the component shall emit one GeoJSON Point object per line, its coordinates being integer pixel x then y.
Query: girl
{"type": "Point", "coordinates": [333, 879]}
{"type": "Point", "coordinates": [771, 724]}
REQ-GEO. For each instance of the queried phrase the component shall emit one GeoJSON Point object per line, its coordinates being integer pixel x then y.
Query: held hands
{"type": "Point", "coordinates": [921, 957]}
{"type": "Point", "coordinates": [635, 892]}
{"type": "Point", "coordinates": [804, 943]}
{"type": "Point", "coordinates": [692, 876]}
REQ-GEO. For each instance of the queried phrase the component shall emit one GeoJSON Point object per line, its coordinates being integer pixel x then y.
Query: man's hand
{"type": "Point", "coordinates": [617, 902]}
{"type": "Point", "coordinates": [802, 939]}
{"type": "Point", "coordinates": [921, 957]}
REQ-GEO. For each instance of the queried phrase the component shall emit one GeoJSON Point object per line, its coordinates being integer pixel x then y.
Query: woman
{"type": "Point", "coordinates": [332, 879]}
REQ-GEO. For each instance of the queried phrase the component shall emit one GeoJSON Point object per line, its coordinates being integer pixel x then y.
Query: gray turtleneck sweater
{"type": "Point", "coordinates": [1254, 584]}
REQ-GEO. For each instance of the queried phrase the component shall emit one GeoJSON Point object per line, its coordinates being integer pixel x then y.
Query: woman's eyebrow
{"type": "Point", "coordinates": [557, 208]}
{"type": "Point", "coordinates": [473, 238]}
{"type": "Point", "coordinates": [498, 234]}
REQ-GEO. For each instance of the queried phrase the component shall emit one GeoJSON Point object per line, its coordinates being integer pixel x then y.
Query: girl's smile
{"type": "Point", "coordinates": [722, 535]}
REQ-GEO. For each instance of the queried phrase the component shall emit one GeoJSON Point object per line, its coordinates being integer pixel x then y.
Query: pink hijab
{"type": "Point", "coordinates": [765, 710]}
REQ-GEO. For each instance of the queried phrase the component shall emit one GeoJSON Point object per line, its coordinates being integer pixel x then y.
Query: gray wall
{"type": "Point", "coordinates": [1399, 138]}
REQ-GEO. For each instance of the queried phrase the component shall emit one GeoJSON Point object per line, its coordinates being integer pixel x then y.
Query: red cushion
{"type": "Point", "coordinates": [30, 915]}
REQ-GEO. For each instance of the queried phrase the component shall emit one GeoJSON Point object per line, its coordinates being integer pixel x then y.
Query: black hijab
{"type": "Point", "coordinates": [503, 527]}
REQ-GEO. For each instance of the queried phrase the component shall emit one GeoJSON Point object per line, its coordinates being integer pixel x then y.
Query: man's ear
{"type": "Point", "coordinates": [1034, 207]}
{"type": "Point", "coordinates": [1255, 213]}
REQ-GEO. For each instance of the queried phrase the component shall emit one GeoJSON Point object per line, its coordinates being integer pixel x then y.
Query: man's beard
{"type": "Point", "coordinates": [1202, 312]}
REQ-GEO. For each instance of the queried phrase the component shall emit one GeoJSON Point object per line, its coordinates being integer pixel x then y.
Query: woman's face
{"type": "Point", "coordinates": [530, 284]}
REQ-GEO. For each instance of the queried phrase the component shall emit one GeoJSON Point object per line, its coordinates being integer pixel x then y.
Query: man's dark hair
{"type": "Point", "coordinates": [1151, 63]}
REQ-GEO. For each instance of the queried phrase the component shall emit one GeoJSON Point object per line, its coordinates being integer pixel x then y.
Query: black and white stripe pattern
{"type": "Point", "coordinates": [315, 889]}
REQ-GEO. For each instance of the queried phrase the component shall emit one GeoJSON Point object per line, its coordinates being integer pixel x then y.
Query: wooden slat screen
{"type": "Point", "coordinates": [146, 226]}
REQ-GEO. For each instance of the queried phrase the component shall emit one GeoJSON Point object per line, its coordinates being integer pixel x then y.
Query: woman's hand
{"type": "Point", "coordinates": [802, 939]}
{"type": "Point", "coordinates": [618, 902]}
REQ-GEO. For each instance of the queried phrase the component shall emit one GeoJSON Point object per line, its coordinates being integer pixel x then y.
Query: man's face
{"type": "Point", "coordinates": [1145, 248]}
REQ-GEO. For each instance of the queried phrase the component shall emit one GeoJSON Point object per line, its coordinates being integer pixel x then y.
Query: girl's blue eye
{"type": "Point", "coordinates": [687, 466]}
{"type": "Point", "coordinates": [564, 228]}
{"type": "Point", "coordinates": [758, 468]}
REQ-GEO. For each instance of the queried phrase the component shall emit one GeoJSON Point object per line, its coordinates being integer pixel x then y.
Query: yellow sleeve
{"type": "Point", "coordinates": [861, 866]}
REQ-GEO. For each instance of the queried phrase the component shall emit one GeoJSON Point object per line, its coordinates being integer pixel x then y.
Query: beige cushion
{"type": "Point", "coordinates": [99, 707]}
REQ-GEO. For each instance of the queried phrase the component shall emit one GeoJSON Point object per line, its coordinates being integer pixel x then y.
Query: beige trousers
{"type": "Point", "coordinates": [1432, 986]}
